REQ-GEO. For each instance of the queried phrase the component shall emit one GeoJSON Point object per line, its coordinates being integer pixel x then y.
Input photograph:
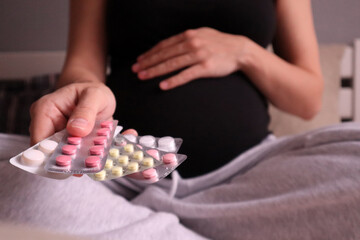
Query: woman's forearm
{"type": "Point", "coordinates": [86, 53]}
{"type": "Point", "coordinates": [289, 87]}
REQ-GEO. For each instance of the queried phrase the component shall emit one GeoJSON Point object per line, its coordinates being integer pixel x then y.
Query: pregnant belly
{"type": "Point", "coordinates": [217, 118]}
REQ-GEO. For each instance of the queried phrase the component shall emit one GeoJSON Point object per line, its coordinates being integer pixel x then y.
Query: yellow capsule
{"type": "Point", "coordinates": [123, 160]}
{"type": "Point", "coordinates": [109, 164]}
{"type": "Point", "coordinates": [129, 148]}
{"type": "Point", "coordinates": [138, 155]}
{"type": "Point", "coordinates": [133, 167]}
{"type": "Point", "coordinates": [114, 152]}
{"type": "Point", "coordinates": [100, 175]}
{"type": "Point", "coordinates": [148, 162]}
{"type": "Point", "coordinates": [117, 171]}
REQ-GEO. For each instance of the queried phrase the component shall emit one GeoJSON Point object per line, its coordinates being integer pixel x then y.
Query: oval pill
{"type": "Point", "coordinates": [120, 142]}
{"type": "Point", "coordinates": [123, 160]}
{"type": "Point", "coordinates": [129, 148]}
{"type": "Point", "coordinates": [103, 132]}
{"type": "Point", "coordinates": [92, 161]}
{"type": "Point", "coordinates": [69, 149]}
{"type": "Point", "coordinates": [33, 158]}
{"type": "Point", "coordinates": [96, 150]}
{"type": "Point", "coordinates": [109, 164]}
{"type": "Point", "coordinates": [169, 158]}
{"type": "Point", "coordinates": [138, 155]}
{"type": "Point", "coordinates": [133, 166]}
{"type": "Point", "coordinates": [150, 173]}
{"type": "Point", "coordinates": [100, 140]}
{"type": "Point", "coordinates": [74, 140]}
{"type": "Point", "coordinates": [114, 152]}
{"type": "Point", "coordinates": [117, 171]}
{"type": "Point", "coordinates": [107, 124]}
{"type": "Point", "coordinates": [167, 143]}
{"type": "Point", "coordinates": [63, 160]}
{"type": "Point", "coordinates": [147, 141]}
{"type": "Point", "coordinates": [154, 153]}
{"type": "Point", "coordinates": [130, 137]}
{"type": "Point", "coordinates": [47, 146]}
{"type": "Point", "coordinates": [100, 175]}
{"type": "Point", "coordinates": [148, 162]}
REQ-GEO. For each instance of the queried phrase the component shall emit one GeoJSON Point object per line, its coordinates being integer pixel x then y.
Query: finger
{"type": "Point", "coordinates": [82, 120]}
{"type": "Point", "coordinates": [162, 55]}
{"type": "Point", "coordinates": [183, 77]}
{"type": "Point", "coordinates": [168, 42]}
{"type": "Point", "coordinates": [169, 66]}
{"type": "Point", "coordinates": [130, 132]}
{"type": "Point", "coordinates": [46, 119]}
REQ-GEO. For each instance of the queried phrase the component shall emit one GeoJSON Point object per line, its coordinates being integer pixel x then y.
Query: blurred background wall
{"type": "Point", "coordinates": [41, 25]}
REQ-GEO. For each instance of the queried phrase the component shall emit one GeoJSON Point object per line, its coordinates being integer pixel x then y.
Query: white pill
{"type": "Point", "coordinates": [33, 158]}
{"type": "Point", "coordinates": [130, 137]}
{"type": "Point", "coordinates": [167, 144]}
{"type": "Point", "coordinates": [47, 146]}
{"type": "Point", "coordinates": [147, 141]}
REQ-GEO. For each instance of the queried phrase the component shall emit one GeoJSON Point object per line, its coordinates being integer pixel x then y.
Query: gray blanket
{"type": "Point", "coordinates": [299, 187]}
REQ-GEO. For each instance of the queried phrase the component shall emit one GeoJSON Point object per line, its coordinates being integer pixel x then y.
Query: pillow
{"type": "Point", "coordinates": [285, 124]}
{"type": "Point", "coordinates": [16, 97]}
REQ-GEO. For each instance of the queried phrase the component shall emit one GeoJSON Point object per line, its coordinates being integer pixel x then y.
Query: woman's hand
{"type": "Point", "coordinates": [76, 106]}
{"type": "Point", "coordinates": [204, 52]}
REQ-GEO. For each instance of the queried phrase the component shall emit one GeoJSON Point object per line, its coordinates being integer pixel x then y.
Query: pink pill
{"type": "Point", "coordinates": [139, 146]}
{"type": "Point", "coordinates": [150, 173]}
{"type": "Point", "coordinates": [154, 153]}
{"type": "Point", "coordinates": [69, 149]}
{"type": "Point", "coordinates": [63, 160]}
{"type": "Point", "coordinates": [74, 140]}
{"type": "Point", "coordinates": [96, 150]}
{"type": "Point", "coordinates": [100, 140]}
{"type": "Point", "coordinates": [107, 124]}
{"type": "Point", "coordinates": [120, 142]}
{"type": "Point", "coordinates": [169, 158]}
{"type": "Point", "coordinates": [103, 132]}
{"type": "Point", "coordinates": [92, 161]}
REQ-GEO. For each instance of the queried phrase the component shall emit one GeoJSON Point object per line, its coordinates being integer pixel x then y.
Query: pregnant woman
{"type": "Point", "coordinates": [196, 69]}
{"type": "Point", "coordinates": [201, 72]}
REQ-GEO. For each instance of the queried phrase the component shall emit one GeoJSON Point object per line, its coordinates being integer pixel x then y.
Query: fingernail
{"type": "Point", "coordinates": [79, 123]}
{"type": "Point", "coordinates": [140, 57]}
{"type": "Point", "coordinates": [136, 67]}
{"type": "Point", "coordinates": [142, 74]}
{"type": "Point", "coordinates": [164, 85]}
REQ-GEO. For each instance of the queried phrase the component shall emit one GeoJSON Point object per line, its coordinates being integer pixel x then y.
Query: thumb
{"type": "Point", "coordinates": [82, 119]}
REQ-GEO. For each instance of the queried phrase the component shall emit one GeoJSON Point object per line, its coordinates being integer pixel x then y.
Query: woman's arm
{"type": "Point", "coordinates": [293, 82]}
{"type": "Point", "coordinates": [86, 53]}
{"type": "Point", "coordinates": [82, 97]}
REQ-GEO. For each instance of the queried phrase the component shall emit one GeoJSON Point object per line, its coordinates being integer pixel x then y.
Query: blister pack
{"type": "Point", "coordinates": [166, 144]}
{"type": "Point", "coordinates": [83, 155]}
{"type": "Point", "coordinates": [29, 160]}
{"type": "Point", "coordinates": [143, 162]}
{"type": "Point", "coordinates": [170, 161]}
{"type": "Point", "coordinates": [34, 158]}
